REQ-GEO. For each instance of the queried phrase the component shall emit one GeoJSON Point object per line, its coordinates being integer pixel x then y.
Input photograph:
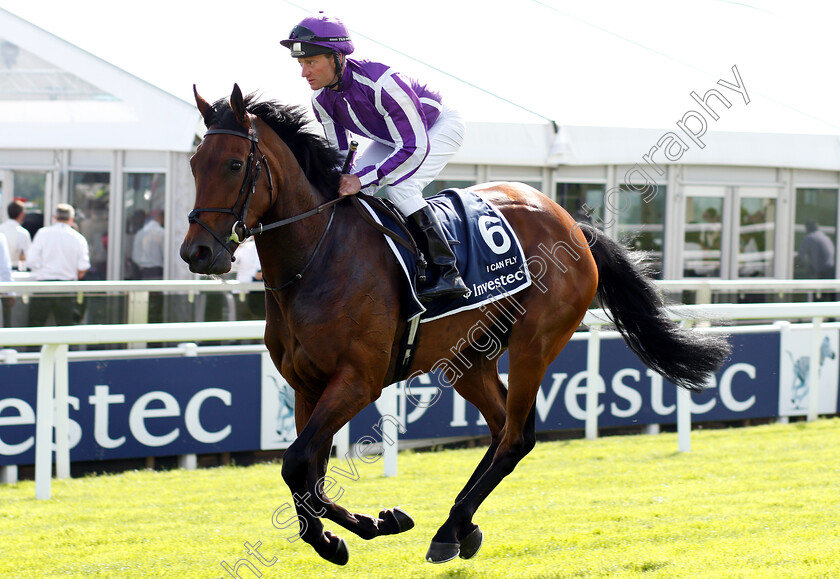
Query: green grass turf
{"type": "Point", "coordinates": [749, 502]}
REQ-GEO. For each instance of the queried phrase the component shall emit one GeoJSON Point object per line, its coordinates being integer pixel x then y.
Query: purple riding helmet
{"type": "Point", "coordinates": [320, 34]}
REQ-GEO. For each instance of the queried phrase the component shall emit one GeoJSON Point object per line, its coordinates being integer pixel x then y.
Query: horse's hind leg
{"type": "Point", "coordinates": [483, 388]}
{"type": "Point", "coordinates": [516, 439]}
{"type": "Point", "coordinates": [458, 535]}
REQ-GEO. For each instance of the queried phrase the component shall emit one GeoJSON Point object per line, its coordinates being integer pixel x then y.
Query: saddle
{"type": "Point", "coordinates": [490, 258]}
{"type": "Point", "coordinates": [389, 210]}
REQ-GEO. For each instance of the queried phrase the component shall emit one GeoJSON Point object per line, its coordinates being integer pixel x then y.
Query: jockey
{"type": "Point", "coordinates": [412, 133]}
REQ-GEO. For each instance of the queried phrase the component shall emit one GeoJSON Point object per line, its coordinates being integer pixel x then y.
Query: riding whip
{"type": "Point", "coordinates": [350, 154]}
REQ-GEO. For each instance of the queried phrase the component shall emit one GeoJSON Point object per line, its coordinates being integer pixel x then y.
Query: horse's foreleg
{"type": "Point", "coordinates": [389, 522]}
{"type": "Point", "coordinates": [304, 470]}
{"type": "Point", "coordinates": [303, 460]}
{"type": "Point", "coordinates": [294, 471]}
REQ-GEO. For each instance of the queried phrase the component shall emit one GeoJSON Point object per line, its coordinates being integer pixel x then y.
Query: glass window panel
{"type": "Point", "coordinates": [585, 201]}
{"type": "Point", "coordinates": [439, 185]}
{"type": "Point", "coordinates": [144, 234]}
{"type": "Point", "coordinates": [641, 224]}
{"type": "Point", "coordinates": [90, 194]}
{"type": "Point", "coordinates": [143, 213]}
{"type": "Point", "coordinates": [535, 184]}
{"type": "Point", "coordinates": [757, 237]}
{"type": "Point", "coordinates": [819, 206]}
{"type": "Point", "coordinates": [701, 248]}
{"type": "Point", "coordinates": [31, 186]}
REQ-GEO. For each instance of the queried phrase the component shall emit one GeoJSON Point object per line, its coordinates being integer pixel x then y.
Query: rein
{"type": "Point", "coordinates": [314, 253]}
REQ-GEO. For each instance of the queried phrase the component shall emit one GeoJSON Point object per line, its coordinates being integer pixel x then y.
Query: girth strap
{"type": "Point", "coordinates": [407, 349]}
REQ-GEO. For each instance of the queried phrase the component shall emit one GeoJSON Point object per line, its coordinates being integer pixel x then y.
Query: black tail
{"type": "Point", "coordinates": [686, 358]}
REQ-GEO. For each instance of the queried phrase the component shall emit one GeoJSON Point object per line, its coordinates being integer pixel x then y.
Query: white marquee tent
{"type": "Point", "coordinates": [568, 97]}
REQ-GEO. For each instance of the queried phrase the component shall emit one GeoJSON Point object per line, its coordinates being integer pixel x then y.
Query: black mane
{"type": "Point", "coordinates": [320, 163]}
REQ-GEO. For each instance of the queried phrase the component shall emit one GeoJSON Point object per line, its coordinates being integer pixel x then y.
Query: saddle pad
{"type": "Point", "coordinates": [489, 255]}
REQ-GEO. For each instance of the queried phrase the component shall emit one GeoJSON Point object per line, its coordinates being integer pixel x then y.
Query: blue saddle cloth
{"type": "Point", "coordinates": [488, 254]}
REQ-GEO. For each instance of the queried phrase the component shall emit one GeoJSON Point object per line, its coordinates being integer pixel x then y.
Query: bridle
{"type": "Point", "coordinates": [240, 232]}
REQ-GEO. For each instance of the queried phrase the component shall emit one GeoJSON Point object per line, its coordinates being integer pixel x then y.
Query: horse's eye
{"type": "Point", "coordinates": [235, 166]}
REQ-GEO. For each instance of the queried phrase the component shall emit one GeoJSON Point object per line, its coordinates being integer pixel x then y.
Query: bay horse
{"type": "Point", "coordinates": [334, 311]}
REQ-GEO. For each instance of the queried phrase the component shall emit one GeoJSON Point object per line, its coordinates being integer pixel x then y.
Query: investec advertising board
{"type": "Point", "coordinates": [209, 404]}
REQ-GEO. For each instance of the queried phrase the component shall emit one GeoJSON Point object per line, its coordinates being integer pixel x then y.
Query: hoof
{"type": "Point", "coordinates": [442, 552]}
{"type": "Point", "coordinates": [404, 520]}
{"type": "Point", "coordinates": [335, 551]}
{"type": "Point", "coordinates": [471, 544]}
{"type": "Point", "coordinates": [395, 521]}
{"type": "Point", "coordinates": [341, 555]}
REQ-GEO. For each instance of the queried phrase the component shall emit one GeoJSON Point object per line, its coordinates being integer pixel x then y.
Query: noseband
{"type": "Point", "coordinates": [239, 232]}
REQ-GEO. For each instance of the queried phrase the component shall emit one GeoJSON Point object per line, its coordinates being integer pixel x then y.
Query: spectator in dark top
{"type": "Point", "coordinates": [816, 252]}
{"type": "Point", "coordinates": [17, 237]}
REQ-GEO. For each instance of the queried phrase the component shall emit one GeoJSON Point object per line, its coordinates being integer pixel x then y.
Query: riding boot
{"type": "Point", "coordinates": [449, 282]}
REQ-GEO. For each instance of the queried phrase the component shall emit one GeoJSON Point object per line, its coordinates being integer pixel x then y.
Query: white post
{"type": "Point", "coordinates": [341, 441]}
{"type": "Point", "coordinates": [187, 461]}
{"type": "Point", "coordinates": [9, 473]}
{"type": "Point", "coordinates": [44, 422]}
{"type": "Point", "coordinates": [784, 332]}
{"type": "Point", "coordinates": [138, 313]}
{"type": "Point", "coordinates": [593, 367]}
{"type": "Point", "coordinates": [684, 412]}
{"type": "Point", "coordinates": [814, 370]}
{"type": "Point", "coordinates": [683, 420]}
{"type": "Point", "coordinates": [62, 414]}
{"type": "Point", "coordinates": [704, 293]}
{"type": "Point", "coordinates": [390, 432]}
{"type": "Point", "coordinates": [650, 429]}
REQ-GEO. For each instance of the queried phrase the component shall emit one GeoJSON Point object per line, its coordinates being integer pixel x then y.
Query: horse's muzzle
{"type": "Point", "coordinates": [202, 259]}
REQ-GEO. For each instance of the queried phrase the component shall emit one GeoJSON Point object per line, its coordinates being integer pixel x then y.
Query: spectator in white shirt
{"type": "Point", "coordinates": [17, 237]}
{"type": "Point", "coordinates": [5, 261]}
{"type": "Point", "coordinates": [248, 268]}
{"type": "Point", "coordinates": [147, 248]}
{"type": "Point", "coordinates": [58, 253]}
{"type": "Point", "coordinates": [147, 255]}
{"type": "Point", "coordinates": [6, 275]}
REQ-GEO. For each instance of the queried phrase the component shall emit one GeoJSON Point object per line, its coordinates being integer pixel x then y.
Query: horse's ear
{"type": "Point", "coordinates": [203, 105]}
{"type": "Point", "coordinates": [237, 105]}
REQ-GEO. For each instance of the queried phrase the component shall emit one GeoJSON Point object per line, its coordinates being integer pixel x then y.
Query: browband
{"type": "Point", "coordinates": [249, 136]}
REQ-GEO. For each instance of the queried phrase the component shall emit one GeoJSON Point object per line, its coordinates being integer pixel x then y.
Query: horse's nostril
{"type": "Point", "coordinates": [196, 255]}
{"type": "Point", "coordinates": [201, 254]}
